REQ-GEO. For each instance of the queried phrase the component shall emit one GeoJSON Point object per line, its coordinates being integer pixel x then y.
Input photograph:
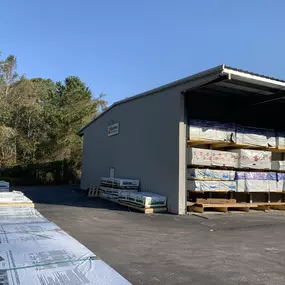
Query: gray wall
{"type": "Point", "coordinates": [147, 147]}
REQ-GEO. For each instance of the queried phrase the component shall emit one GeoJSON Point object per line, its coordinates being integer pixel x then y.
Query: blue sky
{"type": "Point", "coordinates": [122, 48]}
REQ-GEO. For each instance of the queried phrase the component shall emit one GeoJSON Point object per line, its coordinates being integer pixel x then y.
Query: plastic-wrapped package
{"type": "Point", "coordinates": [145, 199]}
{"type": "Point", "coordinates": [211, 130]}
{"type": "Point", "coordinates": [280, 139]}
{"type": "Point", "coordinates": [278, 165]}
{"type": "Point", "coordinates": [224, 158]}
{"type": "Point", "coordinates": [256, 181]}
{"type": "Point", "coordinates": [201, 185]}
{"type": "Point", "coordinates": [199, 156]}
{"type": "Point", "coordinates": [119, 183]}
{"type": "Point", "coordinates": [254, 159]}
{"type": "Point", "coordinates": [210, 174]}
{"type": "Point", "coordinates": [255, 136]}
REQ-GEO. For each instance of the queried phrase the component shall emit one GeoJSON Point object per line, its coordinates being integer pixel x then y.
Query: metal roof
{"type": "Point", "coordinates": [227, 79]}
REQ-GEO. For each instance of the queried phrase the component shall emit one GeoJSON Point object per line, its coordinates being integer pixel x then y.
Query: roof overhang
{"type": "Point", "coordinates": [220, 79]}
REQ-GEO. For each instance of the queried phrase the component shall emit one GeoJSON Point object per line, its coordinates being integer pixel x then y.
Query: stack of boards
{"type": "Point", "coordinates": [4, 186]}
{"type": "Point", "coordinates": [15, 199]}
{"type": "Point", "coordinates": [35, 251]}
{"type": "Point", "coordinates": [126, 192]}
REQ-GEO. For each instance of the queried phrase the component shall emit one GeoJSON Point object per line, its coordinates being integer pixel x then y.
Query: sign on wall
{"type": "Point", "coordinates": [113, 129]}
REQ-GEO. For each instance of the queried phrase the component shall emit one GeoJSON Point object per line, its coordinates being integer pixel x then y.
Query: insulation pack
{"type": "Point", "coordinates": [201, 185]}
{"type": "Point", "coordinates": [210, 174]}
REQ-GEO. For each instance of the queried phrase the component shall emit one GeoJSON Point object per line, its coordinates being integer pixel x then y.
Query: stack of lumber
{"type": "Point", "coordinates": [110, 188]}
{"type": "Point", "coordinates": [35, 251]}
{"type": "Point", "coordinates": [15, 198]}
{"type": "Point", "coordinates": [144, 201]}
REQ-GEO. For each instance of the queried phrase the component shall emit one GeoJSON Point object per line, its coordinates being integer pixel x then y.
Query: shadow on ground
{"type": "Point", "coordinates": [67, 196]}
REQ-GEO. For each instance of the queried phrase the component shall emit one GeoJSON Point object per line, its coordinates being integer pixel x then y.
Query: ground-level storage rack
{"type": "Point", "coordinates": [225, 201]}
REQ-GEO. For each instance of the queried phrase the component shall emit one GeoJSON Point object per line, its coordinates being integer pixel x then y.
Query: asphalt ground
{"type": "Point", "coordinates": [218, 249]}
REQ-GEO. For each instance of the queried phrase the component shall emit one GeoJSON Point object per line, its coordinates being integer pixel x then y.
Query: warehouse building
{"type": "Point", "coordinates": [145, 137]}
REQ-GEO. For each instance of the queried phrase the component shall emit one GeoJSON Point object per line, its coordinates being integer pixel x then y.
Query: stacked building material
{"type": "Point", "coordinates": [38, 252]}
{"type": "Point", "coordinates": [253, 159]}
{"type": "Point", "coordinates": [143, 199]}
{"type": "Point", "coordinates": [208, 157]}
{"type": "Point", "coordinates": [15, 198]}
{"type": "Point", "coordinates": [110, 188]}
{"type": "Point", "coordinates": [280, 139]}
{"type": "Point", "coordinates": [254, 136]}
{"type": "Point", "coordinates": [257, 182]}
{"type": "Point", "coordinates": [210, 174]}
{"type": "Point", "coordinates": [210, 180]}
{"type": "Point", "coordinates": [210, 130]}
{"type": "Point", "coordinates": [4, 186]}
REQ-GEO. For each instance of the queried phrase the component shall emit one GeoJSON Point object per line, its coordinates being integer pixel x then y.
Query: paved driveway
{"type": "Point", "coordinates": [225, 249]}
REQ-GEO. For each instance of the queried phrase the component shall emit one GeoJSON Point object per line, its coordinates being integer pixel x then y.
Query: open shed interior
{"type": "Point", "coordinates": [250, 103]}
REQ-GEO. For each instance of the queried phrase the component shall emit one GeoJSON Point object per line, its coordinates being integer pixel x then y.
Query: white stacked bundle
{"type": "Point", "coordinates": [280, 139]}
{"type": "Point", "coordinates": [224, 158]}
{"type": "Point", "coordinates": [200, 185]}
{"type": "Point", "coordinates": [4, 186]}
{"type": "Point", "coordinates": [211, 130]}
{"type": "Point", "coordinates": [256, 182]}
{"type": "Point", "coordinates": [15, 198]}
{"type": "Point", "coordinates": [254, 159]}
{"type": "Point", "coordinates": [110, 188]}
{"type": "Point", "coordinates": [208, 157]}
{"type": "Point", "coordinates": [37, 254]}
{"type": "Point", "coordinates": [144, 199]}
{"type": "Point", "coordinates": [255, 136]}
{"type": "Point", "coordinates": [210, 174]}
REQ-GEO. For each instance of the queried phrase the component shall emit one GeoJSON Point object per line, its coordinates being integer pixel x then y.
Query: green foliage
{"type": "Point", "coordinates": [39, 118]}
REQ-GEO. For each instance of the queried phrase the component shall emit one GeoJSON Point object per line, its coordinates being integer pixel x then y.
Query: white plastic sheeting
{"type": "Point", "coordinates": [119, 182]}
{"type": "Point", "coordinates": [280, 139]}
{"type": "Point", "coordinates": [253, 159]}
{"type": "Point", "coordinates": [145, 199]}
{"type": "Point", "coordinates": [210, 174]}
{"type": "Point", "coordinates": [200, 185]}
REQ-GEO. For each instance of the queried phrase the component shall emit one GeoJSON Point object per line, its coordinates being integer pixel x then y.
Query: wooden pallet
{"type": "Point", "coordinates": [147, 210]}
{"type": "Point", "coordinates": [245, 207]}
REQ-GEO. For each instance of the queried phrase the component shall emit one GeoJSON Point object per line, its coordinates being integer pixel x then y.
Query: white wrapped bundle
{"type": "Point", "coordinates": [255, 136]}
{"type": "Point", "coordinates": [210, 174]}
{"type": "Point", "coordinates": [201, 185]}
{"type": "Point", "coordinates": [13, 197]}
{"type": "Point", "coordinates": [199, 156]}
{"type": "Point", "coordinates": [256, 181]}
{"type": "Point", "coordinates": [211, 130]}
{"type": "Point", "coordinates": [254, 159]}
{"type": "Point", "coordinates": [278, 165]}
{"type": "Point", "coordinates": [280, 139]}
{"type": "Point", "coordinates": [224, 158]}
{"type": "Point", "coordinates": [145, 199]}
{"type": "Point", "coordinates": [119, 182]}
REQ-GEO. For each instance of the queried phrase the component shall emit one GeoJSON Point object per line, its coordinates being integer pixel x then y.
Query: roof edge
{"type": "Point", "coordinates": [217, 69]}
